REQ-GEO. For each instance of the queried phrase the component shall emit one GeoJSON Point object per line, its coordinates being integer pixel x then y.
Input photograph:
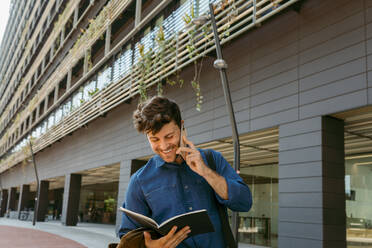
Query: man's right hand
{"type": "Point", "coordinates": [171, 240]}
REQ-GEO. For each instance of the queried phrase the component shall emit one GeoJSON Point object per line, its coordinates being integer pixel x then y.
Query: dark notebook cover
{"type": "Point", "coordinates": [198, 221]}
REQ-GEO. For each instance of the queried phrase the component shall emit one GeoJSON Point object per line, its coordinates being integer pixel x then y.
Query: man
{"type": "Point", "coordinates": [178, 180]}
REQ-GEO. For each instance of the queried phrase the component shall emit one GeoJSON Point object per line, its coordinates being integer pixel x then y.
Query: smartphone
{"type": "Point", "coordinates": [183, 133]}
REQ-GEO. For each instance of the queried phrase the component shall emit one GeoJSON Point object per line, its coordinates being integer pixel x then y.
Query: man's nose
{"type": "Point", "coordinates": [163, 145]}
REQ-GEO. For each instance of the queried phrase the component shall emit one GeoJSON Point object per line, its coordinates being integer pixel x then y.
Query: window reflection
{"type": "Point", "coordinates": [88, 89]}
{"type": "Point", "coordinates": [259, 226]}
{"type": "Point", "coordinates": [50, 121]}
{"type": "Point", "coordinates": [58, 115]}
{"type": "Point", "coordinates": [67, 107]}
{"type": "Point", "coordinates": [358, 187]}
{"type": "Point", "coordinates": [76, 99]}
{"type": "Point", "coordinates": [104, 78]}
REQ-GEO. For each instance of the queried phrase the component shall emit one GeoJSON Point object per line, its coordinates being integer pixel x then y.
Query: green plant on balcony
{"type": "Point", "coordinates": [26, 152]}
{"type": "Point", "coordinates": [88, 59]}
{"type": "Point", "coordinates": [192, 52]}
{"type": "Point", "coordinates": [160, 56]}
{"type": "Point", "coordinates": [92, 92]}
{"type": "Point", "coordinates": [144, 66]}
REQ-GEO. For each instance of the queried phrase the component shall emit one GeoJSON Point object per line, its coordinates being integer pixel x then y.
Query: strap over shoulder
{"type": "Point", "coordinates": [226, 229]}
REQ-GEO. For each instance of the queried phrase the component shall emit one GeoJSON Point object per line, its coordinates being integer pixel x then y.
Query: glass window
{"type": "Point", "coordinates": [259, 226]}
{"type": "Point", "coordinates": [43, 127]}
{"type": "Point", "coordinates": [67, 107]}
{"type": "Point", "coordinates": [34, 133]}
{"type": "Point", "coordinates": [104, 78]}
{"type": "Point", "coordinates": [58, 115]}
{"type": "Point", "coordinates": [50, 121]}
{"type": "Point", "coordinates": [88, 89]}
{"type": "Point", "coordinates": [76, 99]}
{"type": "Point", "coordinates": [358, 187]}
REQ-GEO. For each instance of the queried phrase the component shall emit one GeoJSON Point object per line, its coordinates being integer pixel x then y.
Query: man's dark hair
{"type": "Point", "coordinates": [153, 114]}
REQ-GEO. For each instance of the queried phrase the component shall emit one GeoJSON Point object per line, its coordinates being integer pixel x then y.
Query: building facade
{"type": "Point", "coordinates": [73, 72]}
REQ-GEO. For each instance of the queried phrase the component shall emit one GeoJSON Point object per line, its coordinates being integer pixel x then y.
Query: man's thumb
{"type": "Point", "coordinates": [147, 236]}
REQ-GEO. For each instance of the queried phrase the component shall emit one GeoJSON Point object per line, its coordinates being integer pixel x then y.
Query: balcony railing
{"type": "Point", "coordinates": [121, 80]}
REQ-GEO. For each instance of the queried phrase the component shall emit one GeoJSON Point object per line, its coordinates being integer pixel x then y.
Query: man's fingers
{"type": "Point", "coordinates": [188, 142]}
{"type": "Point", "coordinates": [171, 232]}
{"type": "Point", "coordinates": [185, 149]}
{"type": "Point", "coordinates": [179, 237]}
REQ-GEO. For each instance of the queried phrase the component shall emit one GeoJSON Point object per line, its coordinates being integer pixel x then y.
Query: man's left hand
{"type": "Point", "coordinates": [193, 157]}
{"type": "Point", "coordinates": [195, 161]}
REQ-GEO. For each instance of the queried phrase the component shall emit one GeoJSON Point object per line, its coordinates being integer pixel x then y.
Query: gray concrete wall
{"type": "Point", "coordinates": [311, 184]}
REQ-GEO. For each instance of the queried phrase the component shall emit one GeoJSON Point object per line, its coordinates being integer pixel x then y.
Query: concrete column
{"type": "Point", "coordinates": [69, 77]}
{"type": "Point", "coordinates": [311, 184]}
{"type": "Point", "coordinates": [62, 35]}
{"type": "Point", "coordinates": [31, 120]}
{"type": "Point", "coordinates": [56, 89]}
{"type": "Point", "coordinates": [12, 198]}
{"type": "Point", "coordinates": [125, 173]}
{"type": "Point", "coordinates": [3, 202]}
{"type": "Point", "coordinates": [52, 52]}
{"type": "Point", "coordinates": [43, 64]}
{"type": "Point", "coordinates": [76, 16]}
{"type": "Point", "coordinates": [37, 112]}
{"type": "Point", "coordinates": [46, 103]}
{"type": "Point", "coordinates": [24, 197]}
{"type": "Point", "coordinates": [137, 19]}
{"type": "Point", "coordinates": [43, 200]}
{"type": "Point", "coordinates": [86, 62]}
{"type": "Point", "coordinates": [108, 40]}
{"type": "Point", "coordinates": [71, 197]}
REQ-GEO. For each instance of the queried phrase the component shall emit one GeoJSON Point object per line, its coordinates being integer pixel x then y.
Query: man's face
{"type": "Point", "coordinates": [166, 142]}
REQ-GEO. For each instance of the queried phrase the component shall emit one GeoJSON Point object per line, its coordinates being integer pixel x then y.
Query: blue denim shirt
{"type": "Point", "coordinates": [162, 190]}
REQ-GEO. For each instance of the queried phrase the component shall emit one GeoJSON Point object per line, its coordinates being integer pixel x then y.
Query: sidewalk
{"type": "Point", "coordinates": [19, 234]}
{"type": "Point", "coordinates": [14, 234]}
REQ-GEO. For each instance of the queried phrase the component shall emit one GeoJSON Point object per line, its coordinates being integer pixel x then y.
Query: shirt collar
{"type": "Point", "coordinates": [159, 162]}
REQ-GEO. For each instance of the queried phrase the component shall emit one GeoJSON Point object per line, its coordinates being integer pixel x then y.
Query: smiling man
{"type": "Point", "coordinates": [178, 180]}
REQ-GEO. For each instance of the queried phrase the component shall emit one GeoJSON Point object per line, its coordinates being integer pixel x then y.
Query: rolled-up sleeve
{"type": "Point", "coordinates": [134, 200]}
{"type": "Point", "coordinates": [240, 197]}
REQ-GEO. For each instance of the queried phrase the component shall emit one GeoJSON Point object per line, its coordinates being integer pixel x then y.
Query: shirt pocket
{"type": "Point", "coordinates": [163, 202]}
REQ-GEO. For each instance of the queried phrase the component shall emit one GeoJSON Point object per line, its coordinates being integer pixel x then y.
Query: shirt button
{"type": "Point", "coordinates": [190, 208]}
{"type": "Point", "coordinates": [186, 187]}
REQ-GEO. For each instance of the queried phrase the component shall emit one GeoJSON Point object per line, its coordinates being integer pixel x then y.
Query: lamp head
{"type": "Point", "coordinates": [220, 64]}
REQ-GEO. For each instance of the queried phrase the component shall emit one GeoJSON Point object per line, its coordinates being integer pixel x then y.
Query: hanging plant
{"type": "Point", "coordinates": [88, 59]}
{"type": "Point", "coordinates": [26, 152]}
{"type": "Point", "coordinates": [160, 56]}
{"type": "Point", "coordinates": [144, 67]}
{"type": "Point", "coordinates": [91, 93]}
{"type": "Point", "coordinates": [192, 53]}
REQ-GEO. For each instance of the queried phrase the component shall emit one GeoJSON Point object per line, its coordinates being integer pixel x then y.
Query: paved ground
{"type": "Point", "coordinates": [25, 237]}
{"type": "Point", "coordinates": [19, 234]}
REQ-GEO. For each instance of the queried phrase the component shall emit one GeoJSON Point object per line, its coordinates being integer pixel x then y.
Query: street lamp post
{"type": "Point", "coordinates": [37, 186]}
{"type": "Point", "coordinates": [221, 65]}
